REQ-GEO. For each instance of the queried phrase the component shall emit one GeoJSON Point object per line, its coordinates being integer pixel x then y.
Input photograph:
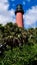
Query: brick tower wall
{"type": "Point", "coordinates": [19, 19]}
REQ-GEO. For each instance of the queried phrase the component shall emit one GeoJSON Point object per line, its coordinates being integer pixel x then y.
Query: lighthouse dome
{"type": "Point", "coordinates": [19, 8]}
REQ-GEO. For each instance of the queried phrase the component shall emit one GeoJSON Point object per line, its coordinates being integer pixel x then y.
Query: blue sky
{"type": "Point", "coordinates": [7, 12]}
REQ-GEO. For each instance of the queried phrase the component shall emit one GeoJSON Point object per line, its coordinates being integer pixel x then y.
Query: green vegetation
{"type": "Point", "coordinates": [26, 53]}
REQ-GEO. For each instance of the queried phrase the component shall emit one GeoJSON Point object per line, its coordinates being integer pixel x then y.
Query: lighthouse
{"type": "Point", "coordinates": [19, 15]}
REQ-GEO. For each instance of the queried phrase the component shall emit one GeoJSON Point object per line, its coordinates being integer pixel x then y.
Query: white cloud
{"type": "Point", "coordinates": [5, 15]}
{"type": "Point", "coordinates": [3, 6]}
{"type": "Point", "coordinates": [30, 17]}
{"type": "Point", "coordinates": [3, 1]}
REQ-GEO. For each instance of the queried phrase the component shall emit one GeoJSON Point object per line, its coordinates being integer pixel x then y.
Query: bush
{"type": "Point", "coordinates": [24, 55]}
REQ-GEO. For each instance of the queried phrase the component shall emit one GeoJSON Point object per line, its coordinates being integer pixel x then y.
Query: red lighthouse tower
{"type": "Point", "coordinates": [19, 15]}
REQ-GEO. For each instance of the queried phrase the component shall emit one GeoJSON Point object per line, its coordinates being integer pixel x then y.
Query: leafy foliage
{"type": "Point", "coordinates": [26, 53]}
